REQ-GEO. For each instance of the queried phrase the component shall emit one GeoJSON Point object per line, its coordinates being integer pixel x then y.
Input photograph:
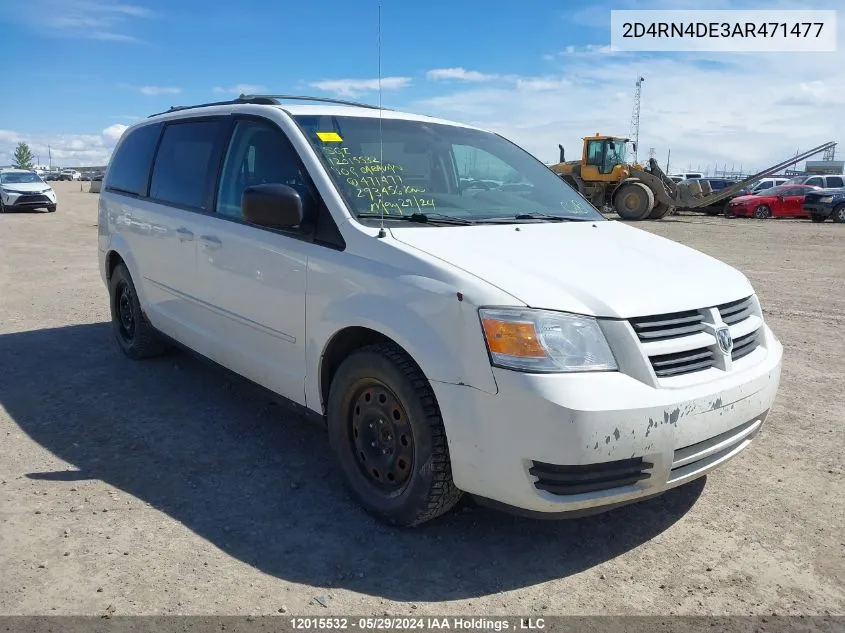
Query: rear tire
{"type": "Point", "coordinates": [133, 333]}
{"type": "Point", "coordinates": [386, 431]}
{"type": "Point", "coordinates": [633, 201]}
{"type": "Point", "coordinates": [659, 211]}
{"type": "Point", "coordinates": [838, 214]}
{"type": "Point", "coordinates": [762, 212]}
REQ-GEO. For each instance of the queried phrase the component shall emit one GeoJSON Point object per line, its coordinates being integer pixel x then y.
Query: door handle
{"type": "Point", "coordinates": [211, 242]}
{"type": "Point", "coordinates": [184, 234]}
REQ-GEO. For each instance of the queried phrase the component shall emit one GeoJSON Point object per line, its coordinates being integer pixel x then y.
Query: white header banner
{"type": "Point", "coordinates": [724, 30]}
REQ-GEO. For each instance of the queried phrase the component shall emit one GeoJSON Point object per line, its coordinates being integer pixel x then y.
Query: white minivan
{"type": "Point", "coordinates": [460, 319]}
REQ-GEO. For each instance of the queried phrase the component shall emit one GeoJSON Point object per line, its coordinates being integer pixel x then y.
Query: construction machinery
{"type": "Point", "coordinates": [644, 192]}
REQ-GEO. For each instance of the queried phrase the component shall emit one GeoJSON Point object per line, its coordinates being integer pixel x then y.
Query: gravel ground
{"type": "Point", "coordinates": [169, 487]}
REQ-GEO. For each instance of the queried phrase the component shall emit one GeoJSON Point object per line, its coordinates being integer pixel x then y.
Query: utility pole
{"type": "Point", "coordinates": [50, 156]}
{"type": "Point", "coordinates": [667, 161]}
{"type": "Point", "coordinates": [635, 116]}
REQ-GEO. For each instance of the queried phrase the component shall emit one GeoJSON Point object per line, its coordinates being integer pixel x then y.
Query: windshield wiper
{"type": "Point", "coordinates": [532, 216]}
{"type": "Point", "coordinates": [421, 218]}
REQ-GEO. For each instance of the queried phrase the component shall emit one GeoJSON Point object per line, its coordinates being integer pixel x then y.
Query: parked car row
{"type": "Point", "coordinates": [71, 174]}
{"type": "Point", "coordinates": [814, 196]}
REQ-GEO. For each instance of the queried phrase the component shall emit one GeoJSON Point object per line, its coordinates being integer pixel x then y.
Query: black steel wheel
{"type": "Point", "coordinates": [387, 435]}
{"type": "Point", "coordinates": [382, 437]}
{"type": "Point", "coordinates": [133, 333]}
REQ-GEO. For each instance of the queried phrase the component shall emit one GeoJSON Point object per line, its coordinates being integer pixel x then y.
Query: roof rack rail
{"type": "Point", "coordinates": [269, 100]}
{"type": "Point", "coordinates": [306, 98]}
{"type": "Point", "coordinates": [242, 99]}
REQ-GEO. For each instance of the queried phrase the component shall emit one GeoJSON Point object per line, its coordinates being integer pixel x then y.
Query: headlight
{"type": "Point", "coordinates": [544, 341]}
{"type": "Point", "coordinates": [826, 199]}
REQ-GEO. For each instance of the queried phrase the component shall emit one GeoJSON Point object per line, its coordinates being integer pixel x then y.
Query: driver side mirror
{"type": "Point", "coordinates": [780, 197]}
{"type": "Point", "coordinates": [634, 146]}
{"type": "Point", "coordinates": [611, 145]}
{"type": "Point", "coordinates": [272, 205]}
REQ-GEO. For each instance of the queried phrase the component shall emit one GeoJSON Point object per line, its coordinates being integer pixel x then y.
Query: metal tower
{"type": "Point", "coordinates": [635, 116]}
{"type": "Point", "coordinates": [830, 153]}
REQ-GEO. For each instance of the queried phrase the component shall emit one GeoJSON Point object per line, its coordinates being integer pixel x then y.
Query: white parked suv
{"type": "Point", "coordinates": [499, 341]}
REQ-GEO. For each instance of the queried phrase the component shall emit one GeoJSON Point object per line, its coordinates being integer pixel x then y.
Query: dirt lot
{"type": "Point", "coordinates": [168, 487]}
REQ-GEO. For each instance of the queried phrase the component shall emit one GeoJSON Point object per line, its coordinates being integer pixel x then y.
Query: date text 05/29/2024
{"type": "Point", "coordinates": [423, 623]}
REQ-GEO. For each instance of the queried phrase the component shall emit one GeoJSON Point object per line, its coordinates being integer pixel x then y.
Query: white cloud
{"type": "Point", "coordinates": [102, 20]}
{"type": "Point", "coordinates": [67, 150]}
{"type": "Point", "coordinates": [241, 89]}
{"type": "Point", "coordinates": [460, 74]}
{"type": "Point", "coordinates": [114, 132]}
{"type": "Point", "coordinates": [159, 90]}
{"type": "Point", "coordinates": [355, 87]}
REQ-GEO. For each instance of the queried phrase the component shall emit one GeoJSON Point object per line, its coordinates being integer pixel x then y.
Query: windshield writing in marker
{"type": "Point", "coordinates": [382, 186]}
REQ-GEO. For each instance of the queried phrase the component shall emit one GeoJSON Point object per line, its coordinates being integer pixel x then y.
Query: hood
{"type": "Point", "coordinates": [26, 186]}
{"type": "Point", "coordinates": [604, 268]}
{"type": "Point", "coordinates": [751, 197]}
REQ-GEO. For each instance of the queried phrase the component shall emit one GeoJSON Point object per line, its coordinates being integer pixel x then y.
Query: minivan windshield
{"type": "Point", "coordinates": [19, 177]}
{"type": "Point", "coordinates": [403, 168]}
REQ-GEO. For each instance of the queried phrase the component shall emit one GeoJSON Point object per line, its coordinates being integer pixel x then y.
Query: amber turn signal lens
{"type": "Point", "coordinates": [512, 339]}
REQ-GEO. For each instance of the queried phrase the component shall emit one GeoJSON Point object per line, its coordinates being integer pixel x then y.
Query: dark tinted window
{"type": "Point", "coordinates": [834, 181]}
{"type": "Point", "coordinates": [129, 168]}
{"type": "Point", "coordinates": [186, 162]}
{"type": "Point", "coordinates": [261, 154]}
{"type": "Point", "coordinates": [718, 184]}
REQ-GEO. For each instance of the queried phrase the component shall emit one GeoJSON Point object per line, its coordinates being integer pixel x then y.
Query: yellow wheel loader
{"type": "Point", "coordinates": [643, 192]}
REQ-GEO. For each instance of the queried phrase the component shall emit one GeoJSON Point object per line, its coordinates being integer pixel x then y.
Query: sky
{"type": "Point", "coordinates": [77, 72]}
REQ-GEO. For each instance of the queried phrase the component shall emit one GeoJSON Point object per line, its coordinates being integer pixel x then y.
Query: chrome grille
{"type": "Point", "coordinates": [736, 311]}
{"type": "Point", "coordinates": [682, 362]}
{"type": "Point", "coordinates": [665, 326]}
{"type": "Point", "coordinates": [744, 345]}
{"type": "Point", "coordinates": [680, 343]}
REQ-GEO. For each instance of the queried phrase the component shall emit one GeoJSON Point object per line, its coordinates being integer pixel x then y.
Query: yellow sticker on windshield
{"type": "Point", "coordinates": [329, 137]}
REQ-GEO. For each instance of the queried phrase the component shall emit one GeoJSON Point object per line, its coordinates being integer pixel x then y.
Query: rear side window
{"type": "Point", "coordinates": [129, 170]}
{"type": "Point", "coordinates": [834, 181]}
{"type": "Point", "coordinates": [186, 163]}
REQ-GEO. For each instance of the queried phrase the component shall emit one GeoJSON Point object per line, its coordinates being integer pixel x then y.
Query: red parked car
{"type": "Point", "coordinates": [777, 202]}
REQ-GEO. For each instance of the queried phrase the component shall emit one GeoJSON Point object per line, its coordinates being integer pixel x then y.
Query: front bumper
{"type": "Point", "coordinates": [28, 200]}
{"type": "Point", "coordinates": [739, 211]}
{"type": "Point", "coordinates": [819, 209]}
{"type": "Point", "coordinates": [561, 444]}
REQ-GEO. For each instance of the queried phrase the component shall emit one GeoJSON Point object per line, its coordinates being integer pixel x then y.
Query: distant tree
{"type": "Point", "coordinates": [23, 157]}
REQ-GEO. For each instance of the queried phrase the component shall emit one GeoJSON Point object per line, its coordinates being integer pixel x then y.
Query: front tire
{"type": "Point", "coordinates": [815, 217]}
{"type": "Point", "coordinates": [133, 333]}
{"type": "Point", "coordinates": [633, 201]}
{"type": "Point", "coordinates": [838, 214]}
{"type": "Point", "coordinates": [51, 209]}
{"type": "Point", "coordinates": [762, 212]}
{"type": "Point", "coordinates": [387, 433]}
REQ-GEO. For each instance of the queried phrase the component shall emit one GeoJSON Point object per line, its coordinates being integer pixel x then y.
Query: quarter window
{"type": "Point", "coordinates": [185, 163]}
{"type": "Point", "coordinates": [129, 170]}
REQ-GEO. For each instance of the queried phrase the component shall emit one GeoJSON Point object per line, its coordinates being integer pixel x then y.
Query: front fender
{"type": "Point", "coordinates": [440, 332]}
